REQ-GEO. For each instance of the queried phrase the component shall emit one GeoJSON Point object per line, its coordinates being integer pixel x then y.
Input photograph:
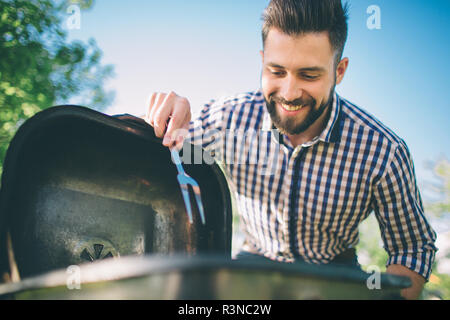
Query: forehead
{"type": "Point", "coordinates": [298, 51]}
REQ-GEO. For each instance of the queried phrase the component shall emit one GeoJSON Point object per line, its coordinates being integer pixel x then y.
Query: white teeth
{"type": "Point", "coordinates": [291, 108]}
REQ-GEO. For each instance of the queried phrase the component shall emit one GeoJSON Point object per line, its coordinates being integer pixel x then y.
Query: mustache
{"type": "Point", "coordinates": [296, 102]}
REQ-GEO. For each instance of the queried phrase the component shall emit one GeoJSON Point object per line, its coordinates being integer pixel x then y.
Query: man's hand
{"type": "Point", "coordinates": [417, 280]}
{"type": "Point", "coordinates": [169, 115]}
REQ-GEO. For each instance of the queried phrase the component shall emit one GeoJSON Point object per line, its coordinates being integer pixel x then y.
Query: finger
{"type": "Point", "coordinates": [158, 104]}
{"type": "Point", "coordinates": [179, 120]}
{"type": "Point", "coordinates": [177, 141]}
{"type": "Point", "coordinates": [163, 113]}
{"type": "Point", "coordinates": [180, 138]}
{"type": "Point", "coordinates": [150, 104]}
{"type": "Point", "coordinates": [159, 97]}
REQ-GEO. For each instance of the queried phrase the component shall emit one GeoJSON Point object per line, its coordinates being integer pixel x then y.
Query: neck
{"type": "Point", "coordinates": [313, 131]}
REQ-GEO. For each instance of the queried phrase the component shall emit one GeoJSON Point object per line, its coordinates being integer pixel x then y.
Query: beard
{"type": "Point", "coordinates": [290, 125]}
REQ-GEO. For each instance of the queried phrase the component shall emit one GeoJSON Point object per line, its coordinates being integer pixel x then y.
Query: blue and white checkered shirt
{"type": "Point", "coordinates": [307, 202]}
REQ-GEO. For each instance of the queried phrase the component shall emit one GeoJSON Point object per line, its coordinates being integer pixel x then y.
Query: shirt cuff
{"type": "Point", "coordinates": [420, 263]}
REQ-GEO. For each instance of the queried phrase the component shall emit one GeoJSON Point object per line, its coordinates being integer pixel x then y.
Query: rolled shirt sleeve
{"type": "Point", "coordinates": [408, 237]}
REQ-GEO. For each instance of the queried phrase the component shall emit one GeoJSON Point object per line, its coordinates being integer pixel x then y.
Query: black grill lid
{"type": "Point", "coordinates": [79, 185]}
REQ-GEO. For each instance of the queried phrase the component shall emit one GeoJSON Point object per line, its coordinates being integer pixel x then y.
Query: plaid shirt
{"type": "Point", "coordinates": [307, 202]}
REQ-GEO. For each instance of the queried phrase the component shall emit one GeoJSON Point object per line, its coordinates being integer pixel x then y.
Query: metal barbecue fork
{"type": "Point", "coordinates": [184, 180]}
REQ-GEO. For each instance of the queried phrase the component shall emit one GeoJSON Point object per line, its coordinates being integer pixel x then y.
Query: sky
{"type": "Point", "coordinates": [204, 49]}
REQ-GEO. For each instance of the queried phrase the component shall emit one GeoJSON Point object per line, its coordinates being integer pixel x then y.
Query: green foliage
{"type": "Point", "coordinates": [83, 4]}
{"type": "Point", "coordinates": [439, 284]}
{"type": "Point", "coordinates": [370, 249]}
{"type": "Point", "coordinates": [39, 68]}
{"type": "Point", "coordinates": [441, 170]}
{"type": "Point", "coordinates": [438, 288]}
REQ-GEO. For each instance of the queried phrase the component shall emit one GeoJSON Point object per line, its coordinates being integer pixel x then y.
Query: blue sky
{"type": "Point", "coordinates": [205, 49]}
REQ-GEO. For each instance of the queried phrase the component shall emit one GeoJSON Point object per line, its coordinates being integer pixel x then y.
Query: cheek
{"type": "Point", "coordinates": [320, 90]}
{"type": "Point", "coordinates": [268, 85]}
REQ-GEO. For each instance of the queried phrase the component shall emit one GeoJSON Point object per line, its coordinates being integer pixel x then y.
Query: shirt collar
{"type": "Point", "coordinates": [267, 121]}
{"type": "Point", "coordinates": [331, 131]}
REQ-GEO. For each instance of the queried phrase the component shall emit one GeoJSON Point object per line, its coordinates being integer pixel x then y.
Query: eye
{"type": "Point", "coordinates": [310, 77]}
{"type": "Point", "coordinates": [277, 72]}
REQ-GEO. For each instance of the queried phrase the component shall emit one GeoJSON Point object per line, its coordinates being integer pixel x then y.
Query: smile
{"type": "Point", "coordinates": [291, 108]}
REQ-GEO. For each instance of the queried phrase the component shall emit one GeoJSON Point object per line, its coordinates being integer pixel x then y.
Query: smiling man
{"type": "Point", "coordinates": [306, 165]}
{"type": "Point", "coordinates": [298, 82]}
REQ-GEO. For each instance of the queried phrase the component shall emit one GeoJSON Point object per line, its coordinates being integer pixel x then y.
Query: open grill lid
{"type": "Point", "coordinates": [79, 185]}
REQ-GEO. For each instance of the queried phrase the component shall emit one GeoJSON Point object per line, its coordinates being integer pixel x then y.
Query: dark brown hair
{"type": "Point", "coordinates": [295, 17]}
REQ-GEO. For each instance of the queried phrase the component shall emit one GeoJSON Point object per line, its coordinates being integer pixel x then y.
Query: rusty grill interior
{"type": "Point", "coordinates": [81, 186]}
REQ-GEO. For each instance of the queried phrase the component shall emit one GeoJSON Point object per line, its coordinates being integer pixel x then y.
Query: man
{"type": "Point", "coordinates": [307, 166]}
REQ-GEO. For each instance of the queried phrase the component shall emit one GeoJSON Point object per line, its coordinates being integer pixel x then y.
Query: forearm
{"type": "Point", "coordinates": [417, 280]}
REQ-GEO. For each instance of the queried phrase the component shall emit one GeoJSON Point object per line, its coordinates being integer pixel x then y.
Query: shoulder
{"type": "Point", "coordinates": [372, 136]}
{"type": "Point", "coordinates": [362, 120]}
{"type": "Point", "coordinates": [242, 110]}
{"type": "Point", "coordinates": [245, 100]}
{"type": "Point", "coordinates": [233, 103]}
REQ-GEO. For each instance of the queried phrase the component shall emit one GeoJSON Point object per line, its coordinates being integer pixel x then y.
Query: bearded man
{"type": "Point", "coordinates": [306, 165]}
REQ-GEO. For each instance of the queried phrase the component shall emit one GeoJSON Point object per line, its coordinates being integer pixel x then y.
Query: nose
{"type": "Point", "coordinates": [290, 89]}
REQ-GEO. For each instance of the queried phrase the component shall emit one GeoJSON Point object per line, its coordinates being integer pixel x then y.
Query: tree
{"type": "Point", "coordinates": [441, 170]}
{"type": "Point", "coordinates": [439, 212]}
{"type": "Point", "coordinates": [39, 68]}
{"type": "Point", "coordinates": [370, 251]}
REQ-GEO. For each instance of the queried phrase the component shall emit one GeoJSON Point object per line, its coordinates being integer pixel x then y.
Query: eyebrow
{"type": "Point", "coordinates": [308, 69]}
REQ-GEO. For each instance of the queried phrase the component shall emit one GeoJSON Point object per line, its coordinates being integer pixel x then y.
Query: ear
{"type": "Point", "coordinates": [341, 69]}
{"type": "Point", "coordinates": [261, 52]}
